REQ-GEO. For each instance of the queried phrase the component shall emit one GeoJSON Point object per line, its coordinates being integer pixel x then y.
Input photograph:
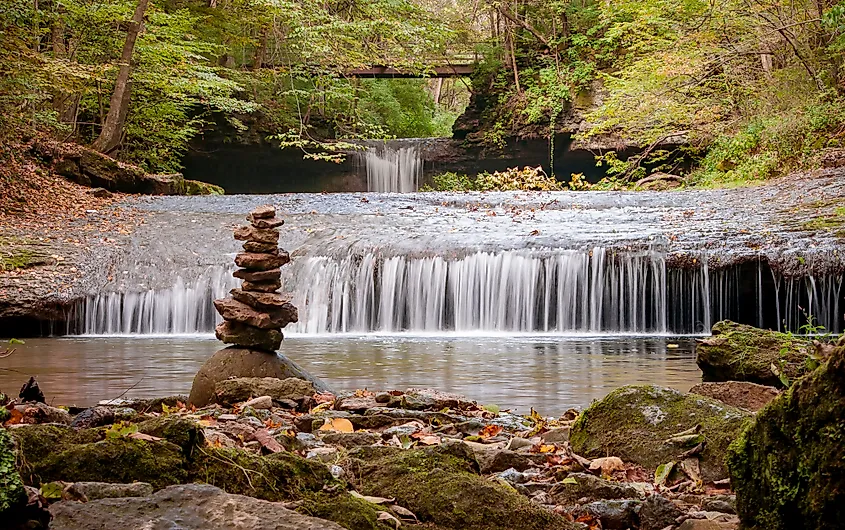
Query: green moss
{"type": "Point", "coordinates": [11, 488]}
{"type": "Point", "coordinates": [113, 460]}
{"type": "Point", "coordinates": [440, 486]}
{"type": "Point", "coordinates": [634, 423]}
{"type": "Point", "coordinates": [196, 187]}
{"type": "Point", "coordinates": [344, 509]}
{"type": "Point", "coordinates": [183, 432]}
{"type": "Point", "coordinates": [738, 352]}
{"type": "Point", "coordinates": [273, 478]}
{"type": "Point", "coordinates": [788, 467]}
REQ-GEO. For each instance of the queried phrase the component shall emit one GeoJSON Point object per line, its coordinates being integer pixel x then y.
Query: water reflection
{"type": "Point", "coordinates": [549, 373]}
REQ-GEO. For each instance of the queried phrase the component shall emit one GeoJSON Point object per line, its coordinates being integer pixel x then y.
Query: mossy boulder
{"type": "Point", "coordinates": [196, 187]}
{"type": "Point", "coordinates": [276, 477]}
{"type": "Point", "coordinates": [440, 486]}
{"type": "Point", "coordinates": [122, 459]}
{"type": "Point", "coordinates": [12, 494]}
{"type": "Point", "coordinates": [737, 352]}
{"type": "Point", "coordinates": [51, 452]}
{"type": "Point", "coordinates": [344, 509]}
{"type": "Point", "coordinates": [635, 423]}
{"type": "Point", "coordinates": [788, 467]}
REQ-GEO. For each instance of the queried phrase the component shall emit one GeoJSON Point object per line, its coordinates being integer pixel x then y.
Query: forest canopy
{"type": "Point", "coordinates": [754, 88]}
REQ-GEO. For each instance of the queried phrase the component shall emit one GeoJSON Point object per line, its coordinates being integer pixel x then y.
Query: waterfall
{"type": "Point", "coordinates": [391, 168]}
{"type": "Point", "coordinates": [513, 291]}
{"type": "Point", "coordinates": [519, 291]}
{"type": "Point", "coordinates": [182, 309]}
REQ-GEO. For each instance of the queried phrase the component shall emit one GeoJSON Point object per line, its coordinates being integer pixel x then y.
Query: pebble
{"type": "Point", "coordinates": [260, 403]}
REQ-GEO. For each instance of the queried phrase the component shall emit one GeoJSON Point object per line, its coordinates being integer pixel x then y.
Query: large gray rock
{"type": "Point", "coordinates": [186, 507]}
{"type": "Point", "coordinates": [639, 424]}
{"type": "Point", "coordinates": [237, 362]}
{"type": "Point", "coordinates": [738, 352]}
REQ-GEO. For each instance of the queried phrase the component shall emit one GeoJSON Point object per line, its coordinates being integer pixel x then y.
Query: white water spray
{"type": "Point", "coordinates": [549, 291]}
{"type": "Point", "coordinates": [393, 169]}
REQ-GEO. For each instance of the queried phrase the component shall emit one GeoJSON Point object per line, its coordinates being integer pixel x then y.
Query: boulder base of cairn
{"type": "Point", "coordinates": [230, 332]}
{"type": "Point", "coordinates": [243, 362]}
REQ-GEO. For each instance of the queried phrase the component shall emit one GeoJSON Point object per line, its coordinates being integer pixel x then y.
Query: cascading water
{"type": "Point", "coordinates": [185, 308]}
{"type": "Point", "coordinates": [393, 168]}
{"type": "Point", "coordinates": [549, 291]}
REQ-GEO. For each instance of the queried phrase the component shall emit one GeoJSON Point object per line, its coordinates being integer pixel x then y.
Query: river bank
{"type": "Point", "coordinates": [427, 458]}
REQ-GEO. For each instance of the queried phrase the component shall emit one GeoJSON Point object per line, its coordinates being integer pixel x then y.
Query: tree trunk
{"type": "Point", "coordinates": [119, 104]}
{"type": "Point", "coordinates": [261, 51]}
{"type": "Point", "coordinates": [438, 89]}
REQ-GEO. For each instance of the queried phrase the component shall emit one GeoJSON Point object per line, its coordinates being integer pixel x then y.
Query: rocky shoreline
{"type": "Point", "coordinates": [282, 452]}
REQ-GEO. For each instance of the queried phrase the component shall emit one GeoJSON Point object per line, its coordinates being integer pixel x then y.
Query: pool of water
{"type": "Point", "coordinates": [549, 373]}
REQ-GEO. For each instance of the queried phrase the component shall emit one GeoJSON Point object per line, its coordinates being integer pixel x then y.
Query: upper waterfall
{"type": "Point", "coordinates": [393, 166]}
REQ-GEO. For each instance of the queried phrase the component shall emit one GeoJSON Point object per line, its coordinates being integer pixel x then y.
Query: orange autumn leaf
{"type": "Point", "coordinates": [338, 425]}
{"type": "Point", "coordinates": [490, 430]}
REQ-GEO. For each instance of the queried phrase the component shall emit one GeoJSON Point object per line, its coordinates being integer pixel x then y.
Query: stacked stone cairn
{"type": "Point", "coordinates": [254, 315]}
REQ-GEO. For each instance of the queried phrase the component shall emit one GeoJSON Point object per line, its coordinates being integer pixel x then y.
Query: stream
{"type": "Point", "coordinates": [549, 373]}
{"type": "Point", "coordinates": [544, 299]}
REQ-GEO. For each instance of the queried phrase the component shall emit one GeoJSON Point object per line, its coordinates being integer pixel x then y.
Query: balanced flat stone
{"type": "Point", "coordinates": [267, 211]}
{"type": "Point", "coordinates": [265, 301]}
{"type": "Point", "coordinates": [248, 336]}
{"type": "Point", "coordinates": [232, 310]}
{"type": "Point", "coordinates": [265, 223]}
{"type": "Point", "coordinates": [250, 233]}
{"type": "Point", "coordinates": [266, 248]}
{"type": "Point", "coordinates": [275, 318]}
{"type": "Point", "coordinates": [234, 362]}
{"type": "Point", "coordinates": [262, 287]}
{"type": "Point", "coordinates": [258, 276]}
{"type": "Point", "coordinates": [261, 262]}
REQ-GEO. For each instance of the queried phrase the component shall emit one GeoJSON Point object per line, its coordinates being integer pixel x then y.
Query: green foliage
{"type": "Point", "coordinates": [279, 60]}
{"type": "Point", "coordinates": [514, 179]}
{"type": "Point", "coordinates": [452, 182]}
{"type": "Point", "coordinates": [12, 492]}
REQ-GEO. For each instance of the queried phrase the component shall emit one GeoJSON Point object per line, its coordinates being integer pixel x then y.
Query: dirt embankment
{"type": "Point", "coordinates": [55, 237]}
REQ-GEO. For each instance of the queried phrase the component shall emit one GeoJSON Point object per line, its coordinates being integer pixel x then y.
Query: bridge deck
{"type": "Point", "coordinates": [382, 72]}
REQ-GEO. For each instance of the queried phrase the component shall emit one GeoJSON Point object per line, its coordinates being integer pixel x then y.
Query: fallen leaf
{"type": "Point", "coordinates": [490, 430]}
{"type": "Point", "coordinates": [607, 465]}
{"type": "Point", "coordinates": [374, 500]}
{"type": "Point", "coordinates": [268, 442]}
{"type": "Point", "coordinates": [384, 516]}
{"type": "Point", "coordinates": [338, 425]}
{"type": "Point", "coordinates": [429, 439]}
{"type": "Point", "coordinates": [661, 475]}
{"type": "Point", "coordinates": [144, 437]}
{"type": "Point", "coordinates": [324, 397]}
{"type": "Point", "coordinates": [569, 480]}
{"type": "Point", "coordinates": [547, 449]}
{"type": "Point", "coordinates": [404, 513]}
